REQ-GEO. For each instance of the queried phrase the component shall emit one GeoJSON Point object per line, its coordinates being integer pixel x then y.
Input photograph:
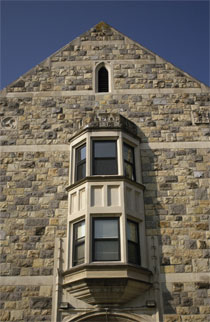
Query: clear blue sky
{"type": "Point", "coordinates": [32, 30]}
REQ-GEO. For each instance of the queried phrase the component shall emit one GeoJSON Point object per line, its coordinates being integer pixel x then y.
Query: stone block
{"type": "Point", "coordinates": [201, 244]}
{"type": "Point", "coordinates": [186, 301]}
{"type": "Point", "coordinates": [38, 262]}
{"type": "Point", "coordinates": [168, 269]}
{"type": "Point", "coordinates": [45, 291]}
{"type": "Point", "coordinates": [177, 209]}
{"type": "Point", "coordinates": [10, 305]}
{"type": "Point", "coordinates": [5, 316]}
{"type": "Point", "coordinates": [5, 268]}
{"type": "Point", "coordinates": [172, 318]}
{"type": "Point", "coordinates": [182, 310]}
{"type": "Point", "coordinates": [37, 222]}
{"type": "Point", "coordinates": [2, 234]}
{"type": "Point", "coordinates": [159, 101]}
{"type": "Point", "coordinates": [202, 285]}
{"type": "Point", "coordinates": [201, 194]}
{"type": "Point", "coordinates": [16, 315]}
{"type": "Point", "coordinates": [41, 302]}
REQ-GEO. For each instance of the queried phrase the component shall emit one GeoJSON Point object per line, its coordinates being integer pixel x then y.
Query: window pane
{"type": "Point", "coordinates": [79, 254]}
{"type": "Point", "coordinates": [132, 231]}
{"type": "Point", "coordinates": [81, 162]}
{"type": "Point", "coordinates": [104, 228]}
{"type": "Point", "coordinates": [128, 169]}
{"type": "Point", "coordinates": [81, 153]}
{"type": "Point", "coordinates": [128, 153]}
{"type": "Point", "coordinates": [106, 250]}
{"type": "Point", "coordinates": [79, 230]}
{"type": "Point", "coordinates": [105, 166]}
{"type": "Point", "coordinates": [133, 253]}
{"type": "Point", "coordinates": [81, 171]}
{"type": "Point", "coordinates": [105, 149]}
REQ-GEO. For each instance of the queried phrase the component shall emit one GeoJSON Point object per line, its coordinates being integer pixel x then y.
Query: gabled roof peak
{"type": "Point", "coordinates": [102, 25]}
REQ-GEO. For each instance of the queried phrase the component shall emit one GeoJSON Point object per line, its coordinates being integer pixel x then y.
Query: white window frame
{"type": "Point", "coordinates": [92, 250]}
{"type": "Point", "coordinates": [120, 138]}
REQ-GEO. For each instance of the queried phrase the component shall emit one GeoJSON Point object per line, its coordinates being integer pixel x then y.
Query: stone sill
{"type": "Point", "coordinates": [104, 178]}
{"type": "Point", "coordinates": [106, 283]}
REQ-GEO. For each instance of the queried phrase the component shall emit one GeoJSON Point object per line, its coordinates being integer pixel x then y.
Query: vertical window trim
{"type": "Point", "coordinates": [77, 243]}
{"type": "Point", "coordinates": [129, 163]}
{"type": "Point", "coordinates": [136, 244]}
{"type": "Point", "coordinates": [113, 239]}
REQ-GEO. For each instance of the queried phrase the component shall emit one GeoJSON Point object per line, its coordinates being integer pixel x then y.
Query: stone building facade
{"type": "Point", "coordinates": [149, 107]}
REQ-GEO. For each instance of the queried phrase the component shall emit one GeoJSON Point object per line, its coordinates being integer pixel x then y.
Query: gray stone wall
{"type": "Point", "coordinates": [37, 117]}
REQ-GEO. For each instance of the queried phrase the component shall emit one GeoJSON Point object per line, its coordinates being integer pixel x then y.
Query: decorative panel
{"type": "Point", "coordinates": [97, 199]}
{"type": "Point", "coordinates": [128, 198]}
{"type": "Point", "coordinates": [73, 205]}
{"type": "Point", "coordinates": [113, 195]}
{"type": "Point", "coordinates": [82, 199]}
{"type": "Point", "coordinates": [137, 201]}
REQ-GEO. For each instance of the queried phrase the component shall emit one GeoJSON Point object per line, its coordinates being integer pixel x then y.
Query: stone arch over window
{"type": "Point", "coordinates": [102, 78]}
{"type": "Point", "coordinates": [105, 316]}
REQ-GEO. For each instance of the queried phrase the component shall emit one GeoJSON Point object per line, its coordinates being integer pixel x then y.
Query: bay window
{"type": "Point", "coordinates": [105, 212]}
{"type": "Point", "coordinates": [105, 192]}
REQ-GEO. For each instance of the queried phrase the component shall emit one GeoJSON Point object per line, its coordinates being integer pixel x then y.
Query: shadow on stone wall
{"type": "Point", "coordinates": [158, 232]}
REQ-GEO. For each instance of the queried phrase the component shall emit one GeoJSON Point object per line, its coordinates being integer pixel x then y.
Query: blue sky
{"type": "Point", "coordinates": [32, 30]}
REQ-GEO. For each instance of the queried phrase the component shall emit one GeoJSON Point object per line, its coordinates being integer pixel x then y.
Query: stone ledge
{"type": "Point", "coordinates": [104, 283]}
{"type": "Point", "coordinates": [35, 148]}
{"type": "Point", "coordinates": [26, 280]}
{"type": "Point", "coordinates": [175, 145]}
{"type": "Point", "coordinates": [143, 146]}
{"type": "Point", "coordinates": [185, 277]}
{"type": "Point", "coordinates": [142, 91]}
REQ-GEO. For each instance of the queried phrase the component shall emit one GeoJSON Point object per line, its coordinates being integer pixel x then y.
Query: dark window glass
{"type": "Point", "coordinates": [79, 243]}
{"type": "Point", "coordinates": [103, 80]}
{"type": "Point", "coordinates": [81, 162]}
{"type": "Point", "coordinates": [106, 242]}
{"type": "Point", "coordinates": [104, 157]}
{"type": "Point", "coordinates": [129, 165]}
{"type": "Point", "coordinates": [133, 243]}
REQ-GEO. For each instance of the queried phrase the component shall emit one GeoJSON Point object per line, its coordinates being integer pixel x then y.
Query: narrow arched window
{"type": "Point", "coordinates": [103, 80]}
